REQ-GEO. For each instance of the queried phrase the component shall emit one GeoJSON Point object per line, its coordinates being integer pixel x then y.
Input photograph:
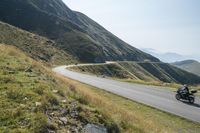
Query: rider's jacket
{"type": "Point", "coordinates": [184, 90]}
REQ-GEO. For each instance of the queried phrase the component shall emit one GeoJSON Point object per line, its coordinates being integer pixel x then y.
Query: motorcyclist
{"type": "Point", "coordinates": [183, 93]}
{"type": "Point", "coordinates": [185, 90]}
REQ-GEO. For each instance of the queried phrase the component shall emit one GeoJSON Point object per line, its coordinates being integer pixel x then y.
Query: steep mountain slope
{"type": "Point", "coordinates": [34, 100]}
{"type": "Point", "coordinates": [189, 65]}
{"type": "Point", "coordinates": [74, 32]}
{"type": "Point", "coordinates": [37, 47]}
{"type": "Point", "coordinates": [144, 71]}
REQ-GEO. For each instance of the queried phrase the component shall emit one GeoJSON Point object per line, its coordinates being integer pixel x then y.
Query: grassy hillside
{"type": "Point", "coordinates": [37, 47]}
{"type": "Point", "coordinates": [74, 32]}
{"type": "Point", "coordinates": [189, 65]}
{"type": "Point", "coordinates": [34, 100]}
{"type": "Point", "coordinates": [142, 71]}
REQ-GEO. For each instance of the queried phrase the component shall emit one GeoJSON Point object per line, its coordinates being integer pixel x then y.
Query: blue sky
{"type": "Point", "coordinates": [163, 25]}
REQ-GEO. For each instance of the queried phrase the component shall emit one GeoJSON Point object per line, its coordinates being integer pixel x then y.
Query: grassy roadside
{"type": "Point", "coordinates": [34, 100]}
{"type": "Point", "coordinates": [170, 86]}
{"type": "Point", "coordinates": [130, 116]}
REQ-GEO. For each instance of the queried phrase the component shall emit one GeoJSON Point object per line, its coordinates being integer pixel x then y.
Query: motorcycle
{"type": "Point", "coordinates": [181, 95]}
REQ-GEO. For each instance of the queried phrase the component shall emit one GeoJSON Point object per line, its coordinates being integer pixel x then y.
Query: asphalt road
{"type": "Point", "coordinates": [157, 97]}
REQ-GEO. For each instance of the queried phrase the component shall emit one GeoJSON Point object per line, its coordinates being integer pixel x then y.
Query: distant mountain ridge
{"type": "Point", "coordinates": [165, 57]}
{"type": "Point", "coordinates": [74, 32]}
{"type": "Point", "coordinates": [189, 65]}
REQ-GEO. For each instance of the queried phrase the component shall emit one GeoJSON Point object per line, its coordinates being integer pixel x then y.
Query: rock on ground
{"type": "Point", "coordinates": [91, 128]}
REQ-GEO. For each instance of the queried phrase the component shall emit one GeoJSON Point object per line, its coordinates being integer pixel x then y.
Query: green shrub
{"type": "Point", "coordinates": [82, 100]}
{"type": "Point", "coordinates": [50, 98]}
{"type": "Point", "coordinates": [38, 90]}
{"type": "Point", "coordinates": [61, 93]}
{"type": "Point", "coordinates": [6, 79]}
{"type": "Point", "coordinates": [40, 124]}
{"type": "Point", "coordinates": [72, 88]}
{"type": "Point", "coordinates": [17, 112]}
{"type": "Point", "coordinates": [15, 94]}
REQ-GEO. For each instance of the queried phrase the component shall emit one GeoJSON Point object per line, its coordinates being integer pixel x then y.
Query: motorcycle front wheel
{"type": "Point", "coordinates": [178, 97]}
{"type": "Point", "coordinates": [191, 100]}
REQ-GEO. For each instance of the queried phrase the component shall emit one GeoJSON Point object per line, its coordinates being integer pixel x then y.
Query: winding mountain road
{"type": "Point", "coordinates": [157, 97]}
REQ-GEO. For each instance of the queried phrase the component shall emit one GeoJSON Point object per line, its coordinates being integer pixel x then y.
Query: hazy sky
{"type": "Point", "coordinates": [164, 25]}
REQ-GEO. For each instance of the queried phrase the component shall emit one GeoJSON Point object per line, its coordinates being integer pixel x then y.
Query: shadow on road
{"type": "Point", "coordinates": [194, 104]}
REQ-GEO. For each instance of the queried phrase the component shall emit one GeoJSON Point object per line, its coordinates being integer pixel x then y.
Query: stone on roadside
{"type": "Point", "coordinates": [55, 91]}
{"type": "Point", "coordinates": [91, 128]}
{"type": "Point", "coordinates": [64, 101]}
{"type": "Point", "coordinates": [64, 120]}
{"type": "Point", "coordinates": [38, 104]}
{"type": "Point", "coordinates": [64, 112]}
{"type": "Point", "coordinates": [22, 105]}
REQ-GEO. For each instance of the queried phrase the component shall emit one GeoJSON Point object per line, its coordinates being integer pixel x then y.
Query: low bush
{"type": "Point", "coordinates": [40, 123]}
{"type": "Point", "coordinates": [51, 99]}
{"type": "Point", "coordinates": [15, 94]}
